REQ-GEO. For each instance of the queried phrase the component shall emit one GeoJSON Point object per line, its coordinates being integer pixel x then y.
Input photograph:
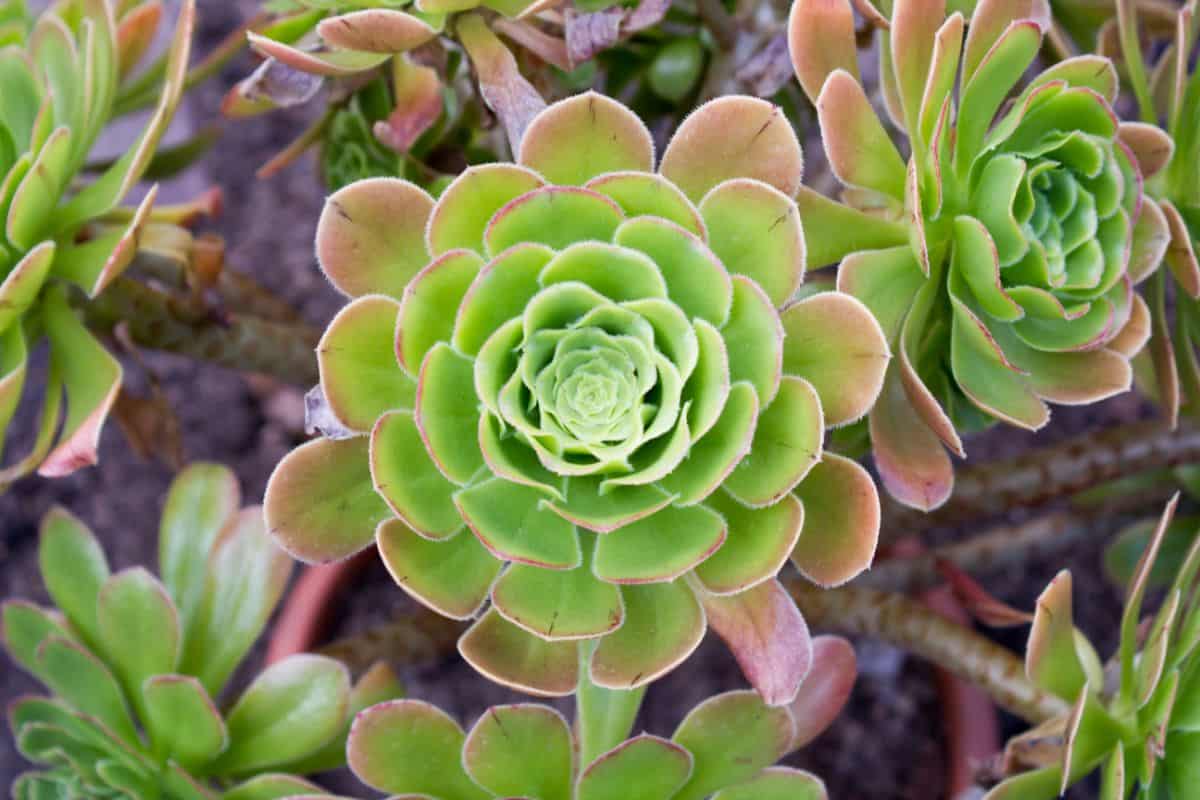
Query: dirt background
{"type": "Point", "coordinates": [885, 747]}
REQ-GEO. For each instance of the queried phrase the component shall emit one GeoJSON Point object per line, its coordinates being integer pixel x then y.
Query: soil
{"type": "Point", "coordinates": [886, 746]}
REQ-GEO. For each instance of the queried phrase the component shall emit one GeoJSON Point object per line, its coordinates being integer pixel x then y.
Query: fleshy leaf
{"type": "Point", "coordinates": [576, 139]}
{"type": "Point", "coordinates": [183, 722]}
{"type": "Point", "coordinates": [320, 503]}
{"type": "Point", "coordinates": [643, 768]}
{"type": "Point", "coordinates": [467, 205]}
{"type": "Point", "coordinates": [202, 500]}
{"type": "Point", "coordinates": [757, 546]}
{"type": "Point", "coordinates": [452, 576]}
{"type": "Point", "coordinates": [408, 747]}
{"type": "Point", "coordinates": [558, 604]}
{"type": "Point", "coordinates": [821, 39]}
{"type": "Point", "coordinates": [371, 236]}
{"type": "Point", "coordinates": [375, 30]}
{"type": "Point", "coordinates": [734, 137]}
{"type": "Point", "coordinates": [640, 553]}
{"type": "Point", "coordinates": [521, 750]}
{"type": "Point", "coordinates": [777, 783]}
{"type": "Point", "coordinates": [664, 624]}
{"type": "Point", "coordinates": [247, 574]}
{"type": "Point", "coordinates": [835, 343]}
{"type": "Point", "coordinates": [860, 151]}
{"type": "Point", "coordinates": [731, 736]}
{"type": "Point", "coordinates": [768, 637]}
{"type": "Point", "coordinates": [74, 568]}
{"type": "Point", "coordinates": [512, 523]}
{"type": "Point", "coordinates": [513, 657]}
{"type": "Point", "coordinates": [357, 360]}
{"type": "Point", "coordinates": [290, 710]}
{"type": "Point", "coordinates": [696, 279]}
{"type": "Point", "coordinates": [826, 690]}
{"type": "Point", "coordinates": [409, 480]}
{"type": "Point", "coordinates": [139, 627]}
{"type": "Point", "coordinates": [756, 231]}
{"type": "Point", "coordinates": [841, 523]}
{"type": "Point", "coordinates": [786, 445]}
{"type": "Point", "coordinates": [430, 304]}
{"type": "Point", "coordinates": [1052, 660]}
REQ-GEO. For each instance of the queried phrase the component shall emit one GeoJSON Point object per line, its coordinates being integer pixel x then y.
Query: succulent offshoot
{"type": "Point", "coordinates": [136, 665]}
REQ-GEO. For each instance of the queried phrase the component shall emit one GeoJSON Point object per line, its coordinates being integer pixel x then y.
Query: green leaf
{"type": "Point", "coordinates": [247, 574]}
{"type": "Point", "coordinates": [408, 479]}
{"type": "Point", "coordinates": [272, 787]}
{"type": "Point", "coordinates": [603, 717]}
{"type": "Point", "coordinates": [183, 723]}
{"type": "Point", "coordinates": [787, 444]}
{"type": "Point", "coordinates": [733, 137]}
{"type": "Point", "coordinates": [643, 768]}
{"type": "Point", "coordinates": [21, 287]}
{"type": "Point", "coordinates": [664, 624]}
{"type": "Point", "coordinates": [500, 293]}
{"type": "Point", "coordinates": [756, 231]}
{"type": "Point", "coordinates": [614, 272]}
{"type": "Point", "coordinates": [757, 546]}
{"type": "Point", "coordinates": [92, 378]}
{"type": "Point", "coordinates": [731, 737]}
{"type": "Point", "coordinates": [430, 303]}
{"type": "Point", "coordinates": [556, 216]}
{"type": "Point", "coordinates": [583, 136]}
{"type": "Point", "coordinates": [74, 568]}
{"type": "Point", "coordinates": [447, 416]}
{"type": "Point", "coordinates": [25, 627]}
{"type": "Point", "coordinates": [39, 192]}
{"type": "Point", "coordinates": [139, 627]}
{"type": "Point", "coordinates": [646, 194]}
{"type": "Point", "coordinates": [754, 340]}
{"type": "Point", "coordinates": [696, 279]}
{"type": "Point", "coordinates": [777, 783]}
{"type": "Point", "coordinates": [202, 500]}
{"type": "Point", "coordinates": [860, 151]}
{"type": "Point", "coordinates": [832, 341]}
{"type": "Point", "coordinates": [1052, 659]}
{"type": "Point", "coordinates": [82, 680]}
{"type": "Point", "coordinates": [371, 236]}
{"type": "Point", "coordinates": [360, 375]}
{"type": "Point", "coordinates": [467, 205]}
{"type": "Point", "coordinates": [516, 658]}
{"type": "Point", "coordinates": [559, 604]}
{"type": "Point", "coordinates": [452, 576]}
{"type": "Point", "coordinates": [833, 230]}
{"type": "Point", "coordinates": [512, 523]}
{"type": "Point", "coordinates": [643, 551]}
{"type": "Point", "coordinates": [320, 502]}
{"type": "Point", "coordinates": [521, 750]}
{"type": "Point", "coordinates": [291, 710]}
{"type": "Point", "coordinates": [842, 519]}
{"type": "Point", "coordinates": [408, 747]}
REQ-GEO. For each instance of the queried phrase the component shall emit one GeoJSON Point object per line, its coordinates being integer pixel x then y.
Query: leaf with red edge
{"type": "Point", "coordinates": [768, 637]}
{"type": "Point", "coordinates": [821, 39]}
{"type": "Point", "coordinates": [841, 524]}
{"type": "Point", "coordinates": [825, 691]}
{"type": "Point", "coordinates": [92, 379]}
{"type": "Point", "coordinates": [516, 658]}
{"type": "Point", "coordinates": [582, 137]}
{"type": "Point", "coordinates": [375, 30]}
{"type": "Point", "coordinates": [913, 465]}
{"type": "Point", "coordinates": [734, 137]}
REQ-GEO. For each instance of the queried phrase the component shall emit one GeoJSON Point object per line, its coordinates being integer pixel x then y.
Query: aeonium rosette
{"type": "Point", "coordinates": [1001, 258]}
{"type": "Point", "coordinates": [568, 385]}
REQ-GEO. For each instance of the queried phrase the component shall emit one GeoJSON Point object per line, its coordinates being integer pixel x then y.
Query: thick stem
{"type": "Point", "coordinates": [910, 625]}
{"type": "Point", "coordinates": [162, 322]}
{"type": "Point", "coordinates": [1044, 474]}
{"type": "Point", "coordinates": [604, 717]}
{"type": "Point", "coordinates": [1013, 545]}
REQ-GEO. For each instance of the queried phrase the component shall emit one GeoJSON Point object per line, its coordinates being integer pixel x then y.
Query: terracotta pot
{"type": "Point", "coordinates": [307, 610]}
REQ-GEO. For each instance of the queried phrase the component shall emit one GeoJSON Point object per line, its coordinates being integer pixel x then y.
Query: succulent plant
{"type": "Point", "coordinates": [60, 75]}
{"type": "Point", "coordinates": [1001, 259]}
{"type": "Point", "coordinates": [136, 665]}
{"type": "Point", "coordinates": [581, 388]}
{"type": "Point", "coordinates": [1136, 719]}
{"type": "Point", "coordinates": [723, 749]}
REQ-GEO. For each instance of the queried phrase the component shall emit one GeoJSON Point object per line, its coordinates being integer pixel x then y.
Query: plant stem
{"type": "Point", "coordinates": [161, 321]}
{"type": "Point", "coordinates": [604, 717]}
{"type": "Point", "coordinates": [1046, 473]}
{"type": "Point", "coordinates": [1013, 545]}
{"type": "Point", "coordinates": [912, 626]}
